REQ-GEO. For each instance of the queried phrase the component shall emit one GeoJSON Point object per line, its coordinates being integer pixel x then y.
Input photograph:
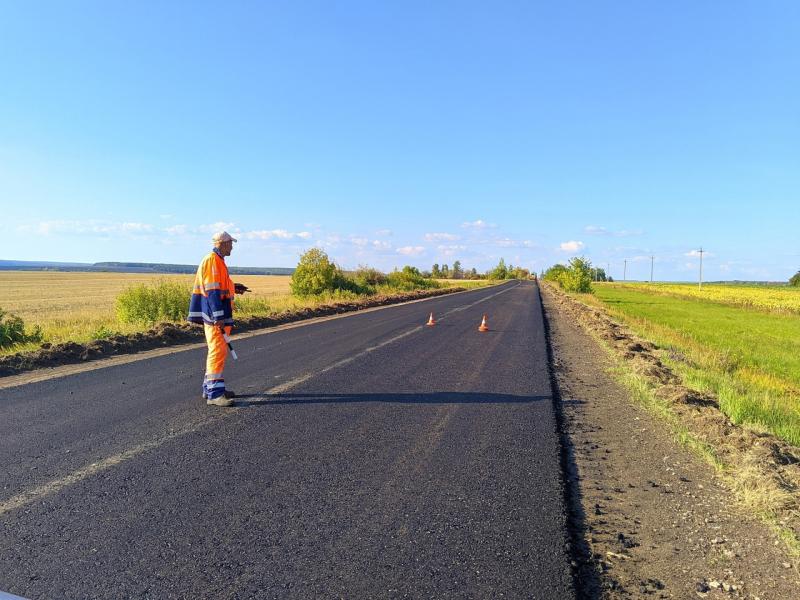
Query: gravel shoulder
{"type": "Point", "coordinates": [651, 518]}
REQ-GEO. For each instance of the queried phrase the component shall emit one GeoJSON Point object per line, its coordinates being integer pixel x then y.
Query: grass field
{"type": "Point", "coordinates": [773, 298]}
{"type": "Point", "coordinates": [79, 306]}
{"type": "Point", "coordinates": [750, 359]}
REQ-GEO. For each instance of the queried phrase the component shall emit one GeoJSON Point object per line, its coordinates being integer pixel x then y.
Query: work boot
{"type": "Point", "coordinates": [228, 394]}
{"type": "Point", "coordinates": [221, 401]}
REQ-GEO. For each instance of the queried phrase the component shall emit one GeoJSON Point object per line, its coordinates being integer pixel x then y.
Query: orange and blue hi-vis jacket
{"type": "Point", "coordinates": [212, 297]}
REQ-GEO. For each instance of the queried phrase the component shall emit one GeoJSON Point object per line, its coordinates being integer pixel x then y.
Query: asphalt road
{"type": "Point", "coordinates": [370, 456]}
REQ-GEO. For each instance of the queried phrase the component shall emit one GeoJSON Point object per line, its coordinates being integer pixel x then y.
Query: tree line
{"type": "Point", "coordinates": [501, 271]}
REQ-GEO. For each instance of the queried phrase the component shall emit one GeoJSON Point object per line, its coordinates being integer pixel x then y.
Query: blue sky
{"type": "Point", "coordinates": [405, 133]}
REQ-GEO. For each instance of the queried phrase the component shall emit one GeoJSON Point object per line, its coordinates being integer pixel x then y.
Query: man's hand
{"type": "Point", "coordinates": [221, 326]}
{"type": "Point", "coordinates": [240, 288]}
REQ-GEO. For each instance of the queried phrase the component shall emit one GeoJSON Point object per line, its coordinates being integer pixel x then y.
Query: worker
{"type": "Point", "coordinates": [212, 305]}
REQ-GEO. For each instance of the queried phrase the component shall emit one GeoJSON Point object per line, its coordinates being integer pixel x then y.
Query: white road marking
{"type": "Point", "coordinates": [57, 485]}
{"type": "Point", "coordinates": [45, 374]}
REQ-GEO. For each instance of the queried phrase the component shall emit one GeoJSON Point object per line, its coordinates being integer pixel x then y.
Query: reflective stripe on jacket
{"type": "Point", "coordinates": [212, 296]}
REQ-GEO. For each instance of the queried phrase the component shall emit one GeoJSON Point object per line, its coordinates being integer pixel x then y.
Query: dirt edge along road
{"type": "Point", "coordinates": [649, 518]}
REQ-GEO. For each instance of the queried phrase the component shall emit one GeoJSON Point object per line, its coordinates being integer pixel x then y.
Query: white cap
{"type": "Point", "coordinates": [222, 236]}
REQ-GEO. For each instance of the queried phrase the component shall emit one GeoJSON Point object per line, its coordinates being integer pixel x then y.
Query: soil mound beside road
{"type": "Point", "coordinates": [654, 520]}
{"type": "Point", "coordinates": [168, 334]}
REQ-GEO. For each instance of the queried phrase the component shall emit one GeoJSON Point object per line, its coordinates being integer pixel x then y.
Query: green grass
{"type": "Point", "coordinates": [749, 359]}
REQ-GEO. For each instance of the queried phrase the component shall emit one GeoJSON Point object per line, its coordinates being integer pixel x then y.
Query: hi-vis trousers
{"type": "Point", "coordinates": [214, 382]}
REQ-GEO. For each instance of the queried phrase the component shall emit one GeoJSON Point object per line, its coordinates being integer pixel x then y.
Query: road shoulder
{"type": "Point", "coordinates": [656, 520]}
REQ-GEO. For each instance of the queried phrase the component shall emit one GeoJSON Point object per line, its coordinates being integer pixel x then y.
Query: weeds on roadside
{"type": "Point", "coordinates": [164, 300]}
{"type": "Point", "coordinates": [102, 333]}
{"type": "Point", "coordinates": [12, 331]}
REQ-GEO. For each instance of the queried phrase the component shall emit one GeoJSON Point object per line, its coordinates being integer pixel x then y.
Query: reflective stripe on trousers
{"type": "Point", "coordinates": [214, 381]}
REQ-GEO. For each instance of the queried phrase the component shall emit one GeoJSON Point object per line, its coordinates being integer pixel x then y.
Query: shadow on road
{"type": "Point", "coordinates": [253, 400]}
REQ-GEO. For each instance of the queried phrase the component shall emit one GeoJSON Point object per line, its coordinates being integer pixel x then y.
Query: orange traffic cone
{"type": "Point", "coordinates": [484, 326]}
{"type": "Point", "coordinates": [431, 322]}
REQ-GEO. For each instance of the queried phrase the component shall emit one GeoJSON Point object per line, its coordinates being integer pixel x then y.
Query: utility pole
{"type": "Point", "coordinates": [700, 285]}
{"type": "Point", "coordinates": [625, 271]}
{"type": "Point", "coordinates": [652, 258]}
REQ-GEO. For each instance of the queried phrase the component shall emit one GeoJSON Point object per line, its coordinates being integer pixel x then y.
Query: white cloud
{"type": "Point", "coordinates": [451, 249]}
{"type": "Point", "coordinates": [509, 243]}
{"type": "Point", "coordinates": [270, 234]}
{"type": "Point", "coordinates": [215, 227]}
{"type": "Point", "coordinates": [136, 227]}
{"type": "Point", "coordinates": [50, 227]}
{"type": "Point", "coordinates": [598, 230]}
{"type": "Point", "coordinates": [383, 232]}
{"type": "Point", "coordinates": [332, 240]}
{"type": "Point", "coordinates": [571, 246]}
{"type": "Point", "coordinates": [411, 250]}
{"type": "Point", "coordinates": [479, 224]}
{"type": "Point", "coordinates": [88, 227]}
{"type": "Point", "coordinates": [177, 230]}
{"type": "Point", "coordinates": [43, 228]}
{"type": "Point", "coordinates": [696, 253]}
{"type": "Point", "coordinates": [381, 245]}
{"type": "Point", "coordinates": [359, 241]}
{"type": "Point", "coordinates": [440, 237]}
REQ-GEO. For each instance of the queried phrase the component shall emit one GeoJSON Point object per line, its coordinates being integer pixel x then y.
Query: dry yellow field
{"type": "Point", "coordinates": [80, 306]}
{"type": "Point", "coordinates": [74, 305]}
{"type": "Point", "coordinates": [40, 296]}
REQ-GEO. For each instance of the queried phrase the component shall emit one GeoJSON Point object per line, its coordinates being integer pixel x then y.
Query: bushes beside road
{"type": "Point", "coordinates": [12, 331]}
{"type": "Point", "coordinates": [316, 280]}
{"type": "Point", "coordinates": [81, 307]}
{"type": "Point", "coordinates": [317, 275]}
{"type": "Point", "coordinates": [576, 276]}
{"type": "Point", "coordinates": [163, 300]}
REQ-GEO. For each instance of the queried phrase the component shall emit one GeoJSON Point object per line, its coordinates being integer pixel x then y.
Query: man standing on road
{"type": "Point", "coordinates": [212, 305]}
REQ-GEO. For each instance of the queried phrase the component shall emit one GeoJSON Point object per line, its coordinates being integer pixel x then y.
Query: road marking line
{"type": "Point", "coordinates": [303, 378]}
{"type": "Point", "coordinates": [46, 373]}
{"type": "Point", "coordinates": [57, 485]}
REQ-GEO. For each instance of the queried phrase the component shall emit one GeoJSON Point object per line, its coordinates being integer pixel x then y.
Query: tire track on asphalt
{"type": "Point", "coordinates": [54, 486]}
{"type": "Point", "coordinates": [405, 478]}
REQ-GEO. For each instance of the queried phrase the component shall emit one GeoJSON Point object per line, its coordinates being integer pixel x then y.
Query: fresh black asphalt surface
{"type": "Point", "coordinates": [369, 457]}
